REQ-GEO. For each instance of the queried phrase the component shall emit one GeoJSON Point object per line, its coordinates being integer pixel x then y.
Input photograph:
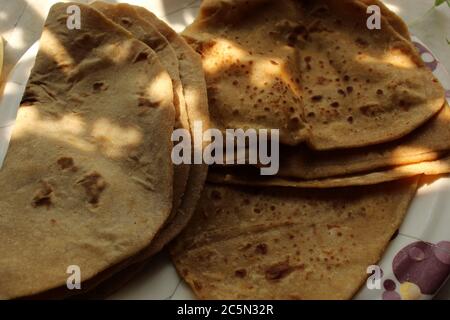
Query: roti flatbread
{"type": "Point", "coordinates": [88, 178]}
{"type": "Point", "coordinates": [425, 144]}
{"type": "Point", "coordinates": [313, 70]}
{"type": "Point", "coordinates": [287, 243]}
{"type": "Point", "coordinates": [126, 16]}
{"type": "Point", "coordinates": [248, 177]}
{"type": "Point", "coordinates": [194, 89]}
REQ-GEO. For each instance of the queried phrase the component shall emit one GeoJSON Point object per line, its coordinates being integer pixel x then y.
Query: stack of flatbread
{"type": "Point", "coordinates": [88, 185]}
{"type": "Point", "coordinates": [89, 190]}
{"type": "Point", "coordinates": [360, 119]}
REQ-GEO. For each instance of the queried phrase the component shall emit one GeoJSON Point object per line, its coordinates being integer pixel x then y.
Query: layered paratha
{"type": "Point", "coordinates": [286, 243]}
{"type": "Point", "coordinates": [425, 144]}
{"type": "Point", "coordinates": [313, 70]}
{"type": "Point", "coordinates": [248, 176]}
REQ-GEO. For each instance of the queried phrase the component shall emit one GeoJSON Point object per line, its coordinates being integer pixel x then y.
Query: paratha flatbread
{"type": "Point", "coordinates": [88, 177]}
{"type": "Point", "coordinates": [394, 20]}
{"type": "Point", "coordinates": [287, 243]}
{"type": "Point", "coordinates": [313, 70]}
{"type": "Point", "coordinates": [425, 144]}
{"type": "Point", "coordinates": [248, 177]}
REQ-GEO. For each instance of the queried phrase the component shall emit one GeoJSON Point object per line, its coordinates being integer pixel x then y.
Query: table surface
{"type": "Point", "coordinates": [21, 24]}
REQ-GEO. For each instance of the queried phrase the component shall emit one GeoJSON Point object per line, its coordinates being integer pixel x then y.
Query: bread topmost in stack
{"type": "Point", "coordinates": [346, 99]}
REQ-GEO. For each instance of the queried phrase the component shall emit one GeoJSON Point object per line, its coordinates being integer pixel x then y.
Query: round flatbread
{"type": "Point", "coordinates": [285, 243]}
{"type": "Point", "coordinates": [313, 70]}
{"type": "Point", "coordinates": [88, 178]}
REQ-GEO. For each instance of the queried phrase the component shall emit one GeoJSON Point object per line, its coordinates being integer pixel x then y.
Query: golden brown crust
{"type": "Point", "coordinates": [429, 168]}
{"type": "Point", "coordinates": [86, 186]}
{"type": "Point", "coordinates": [425, 144]}
{"type": "Point", "coordinates": [284, 243]}
{"type": "Point", "coordinates": [331, 83]}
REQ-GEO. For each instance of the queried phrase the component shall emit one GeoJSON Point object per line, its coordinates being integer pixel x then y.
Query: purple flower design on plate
{"type": "Point", "coordinates": [421, 268]}
{"type": "Point", "coordinates": [428, 57]}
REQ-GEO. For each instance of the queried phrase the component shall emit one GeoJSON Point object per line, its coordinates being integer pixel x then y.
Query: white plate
{"type": "Point", "coordinates": [420, 253]}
